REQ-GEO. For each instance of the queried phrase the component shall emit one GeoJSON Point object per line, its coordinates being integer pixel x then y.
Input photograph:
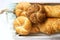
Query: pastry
{"type": "Point", "coordinates": [34, 13]}
{"type": "Point", "coordinates": [21, 8]}
{"type": "Point", "coordinates": [22, 25]}
{"type": "Point", "coordinates": [51, 26]}
{"type": "Point", "coordinates": [52, 10]}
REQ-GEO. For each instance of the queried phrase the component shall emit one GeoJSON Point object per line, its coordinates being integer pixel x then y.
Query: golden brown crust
{"type": "Point", "coordinates": [35, 13]}
{"type": "Point", "coordinates": [35, 29]}
{"type": "Point", "coordinates": [22, 25]}
{"type": "Point", "coordinates": [51, 26]}
{"type": "Point", "coordinates": [52, 10]}
{"type": "Point", "coordinates": [21, 8]}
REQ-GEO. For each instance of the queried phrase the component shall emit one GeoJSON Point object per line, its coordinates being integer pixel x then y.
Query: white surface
{"type": "Point", "coordinates": [5, 31]}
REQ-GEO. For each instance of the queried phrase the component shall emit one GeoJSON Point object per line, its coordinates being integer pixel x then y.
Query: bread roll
{"type": "Point", "coordinates": [51, 26]}
{"type": "Point", "coordinates": [35, 13]}
{"type": "Point", "coordinates": [21, 8]}
{"type": "Point", "coordinates": [52, 10]}
{"type": "Point", "coordinates": [22, 25]}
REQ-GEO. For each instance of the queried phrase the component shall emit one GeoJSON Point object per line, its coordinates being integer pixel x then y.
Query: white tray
{"type": "Point", "coordinates": [11, 17]}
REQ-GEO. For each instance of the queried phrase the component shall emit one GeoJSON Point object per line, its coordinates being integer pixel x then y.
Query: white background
{"type": "Point", "coordinates": [5, 32]}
